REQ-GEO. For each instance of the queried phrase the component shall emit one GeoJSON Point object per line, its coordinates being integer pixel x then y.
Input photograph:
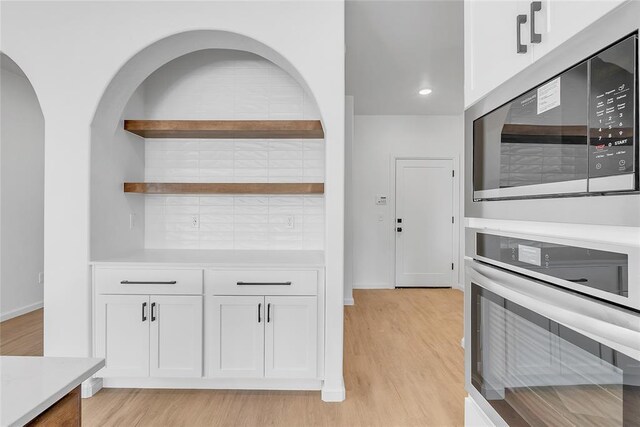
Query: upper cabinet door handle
{"type": "Point", "coordinates": [520, 19]}
{"type": "Point", "coordinates": [536, 6]}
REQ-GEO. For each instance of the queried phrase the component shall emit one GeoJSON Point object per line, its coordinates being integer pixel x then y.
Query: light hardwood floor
{"type": "Point", "coordinates": [403, 367]}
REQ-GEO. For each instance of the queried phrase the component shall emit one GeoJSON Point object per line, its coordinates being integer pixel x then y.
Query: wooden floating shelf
{"type": "Point", "coordinates": [223, 188]}
{"type": "Point", "coordinates": [263, 129]}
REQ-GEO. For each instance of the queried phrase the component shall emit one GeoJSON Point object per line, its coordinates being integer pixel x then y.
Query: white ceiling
{"type": "Point", "coordinates": [395, 48]}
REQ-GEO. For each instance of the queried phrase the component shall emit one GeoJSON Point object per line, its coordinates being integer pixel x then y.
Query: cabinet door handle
{"type": "Point", "coordinates": [263, 283]}
{"type": "Point", "coordinates": [268, 312]}
{"type": "Point", "coordinates": [153, 311]}
{"type": "Point", "coordinates": [127, 282]}
{"type": "Point", "coordinates": [536, 6]}
{"type": "Point", "coordinates": [259, 311]}
{"type": "Point", "coordinates": [520, 19]}
{"type": "Point", "coordinates": [144, 311]}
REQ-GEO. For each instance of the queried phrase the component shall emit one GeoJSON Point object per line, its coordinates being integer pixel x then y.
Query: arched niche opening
{"type": "Point", "coordinates": [204, 75]}
{"type": "Point", "coordinates": [21, 193]}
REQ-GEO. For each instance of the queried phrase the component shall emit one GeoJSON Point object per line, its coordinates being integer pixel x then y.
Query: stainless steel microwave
{"type": "Point", "coordinates": [575, 134]}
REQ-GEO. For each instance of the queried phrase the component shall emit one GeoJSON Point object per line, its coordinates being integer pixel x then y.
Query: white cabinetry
{"type": "Point", "coordinates": [491, 33]}
{"type": "Point", "coordinates": [559, 20]}
{"type": "Point", "coordinates": [264, 336]}
{"type": "Point", "coordinates": [237, 337]}
{"type": "Point", "coordinates": [122, 334]}
{"type": "Point", "coordinates": [176, 336]}
{"type": "Point", "coordinates": [290, 337]}
{"type": "Point", "coordinates": [143, 335]}
{"type": "Point", "coordinates": [209, 327]}
{"type": "Point", "coordinates": [144, 326]}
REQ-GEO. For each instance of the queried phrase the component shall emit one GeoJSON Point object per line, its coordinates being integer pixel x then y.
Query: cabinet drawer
{"type": "Point", "coordinates": [148, 281]}
{"type": "Point", "coordinates": [261, 282]}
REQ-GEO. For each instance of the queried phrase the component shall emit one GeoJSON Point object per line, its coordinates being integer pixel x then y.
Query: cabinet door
{"type": "Point", "coordinates": [490, 45]}
{"type": "Point", "coordinates": [237, 325]}
{"type": "Point", "coordinates": [176, 336]}
{"type": "Point", "coordinates": [122, 335]}
{"type": "Point", "coordinates": [559, 20]}
{"type": "Point", "coordinates": [291, 337]}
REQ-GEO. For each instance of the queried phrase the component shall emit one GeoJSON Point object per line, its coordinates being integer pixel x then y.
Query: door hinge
{"type": "Point", "coordinates": [453, 220]}
{"type": "Point", "coordinates": [453, 173]}
{"type": "Point", "coordinates": [452, 266]}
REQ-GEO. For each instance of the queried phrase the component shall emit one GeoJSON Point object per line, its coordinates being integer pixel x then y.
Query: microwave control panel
{"type": "Point", "coordinates": [612, 110]}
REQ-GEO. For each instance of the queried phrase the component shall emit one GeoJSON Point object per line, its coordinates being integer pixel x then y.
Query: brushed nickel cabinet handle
{"type": "Point", "coordinates": [520, 19]}
{"type": "Point", "coordinates": [127, 282]}
{"type": "Point", "coordinates": [263, 283]}
{"type": "Point", "coordinates": [536, 6]}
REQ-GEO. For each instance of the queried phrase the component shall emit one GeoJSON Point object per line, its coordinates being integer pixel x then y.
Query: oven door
{"type": "Point", "coordinates": [539, 355]}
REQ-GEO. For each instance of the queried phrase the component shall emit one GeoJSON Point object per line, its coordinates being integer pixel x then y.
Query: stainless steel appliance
{"type": "Point", "coordinates": [606, 271]}
{"type": "Point", "coordinates": [567, 125]}
{"type": "Point", "coordinates": [540, 355]}
{"type": "Point", "coordinates": [573, 134]}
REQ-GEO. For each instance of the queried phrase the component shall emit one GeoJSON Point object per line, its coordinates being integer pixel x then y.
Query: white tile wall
{"type": "Point", "coordinates": [231, 85]}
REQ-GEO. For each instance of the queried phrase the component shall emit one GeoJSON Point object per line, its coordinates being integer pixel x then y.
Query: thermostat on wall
{"type": "Point", "coordinates": [381, 200]}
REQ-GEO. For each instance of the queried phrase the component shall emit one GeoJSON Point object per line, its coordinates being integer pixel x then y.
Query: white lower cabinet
{"type": "Point", "coordinates": [271, 337]}
{"type": "Point", "coordinates": [237, 337]}
{"type": "Point", "coordinates": [149, 335]}
{"type": "Point", "coordinates": [176, 336]}
{"type": "Point", "coordinates": [291, 343]}
{"type": "Point", "coordinates": [122, 335]}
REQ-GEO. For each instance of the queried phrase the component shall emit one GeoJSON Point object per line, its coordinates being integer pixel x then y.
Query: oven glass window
{"type": "Point", "coordinates": [536, 372]}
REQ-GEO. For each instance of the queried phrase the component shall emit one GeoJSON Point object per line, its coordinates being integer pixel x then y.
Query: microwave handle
{"type": "Point", "coordinates": [520, 48]}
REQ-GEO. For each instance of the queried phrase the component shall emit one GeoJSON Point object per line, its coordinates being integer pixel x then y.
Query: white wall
{"type": "Point", "coordinates": [377, 138]}
{"type": "Point", "coordinates": [72, 51]}
{"type": "Point", "coordinates": [21, 194]}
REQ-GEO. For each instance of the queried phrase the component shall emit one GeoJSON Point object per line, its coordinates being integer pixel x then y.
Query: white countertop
{"type": "Point", "coordinates": [220, 258]}
{"type": "Point", "coordinates": [30, 385]}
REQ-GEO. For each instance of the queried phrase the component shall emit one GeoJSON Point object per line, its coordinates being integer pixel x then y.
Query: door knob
{"type": "Point", "coordinates": [399, 229]}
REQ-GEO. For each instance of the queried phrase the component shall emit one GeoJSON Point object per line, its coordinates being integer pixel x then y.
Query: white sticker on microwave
{"type": "Point", "coordinates": [530, 255]}
{"type": "Point", "coordinates": [549, 96]}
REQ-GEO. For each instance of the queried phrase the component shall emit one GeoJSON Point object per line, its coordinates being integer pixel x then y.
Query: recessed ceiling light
{"type": "Point", "coordinates": [424, 91]}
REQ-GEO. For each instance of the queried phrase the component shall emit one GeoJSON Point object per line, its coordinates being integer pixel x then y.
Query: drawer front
{"type": "Point", "coordinates": [148, 281]}
{"type": "Point", "coordinates": [261, 282]}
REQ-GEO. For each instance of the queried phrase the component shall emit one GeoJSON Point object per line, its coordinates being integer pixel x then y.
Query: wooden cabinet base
{"type": "Point", "coordinates": [65, 412]}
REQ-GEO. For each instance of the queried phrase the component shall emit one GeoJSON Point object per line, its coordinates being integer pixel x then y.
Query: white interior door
{"type": "Point", "coordinates": [238, 336]}
{"type": "Point", "coordinates": [424, 222]}
{"type": "Point", "coordinates": [176, 336]}
{"type": "Point", "coordinates": [291, 337]}
{"type": "Point", "coordinates": [122, 329]}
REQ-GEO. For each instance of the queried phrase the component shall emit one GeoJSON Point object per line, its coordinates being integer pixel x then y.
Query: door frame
{"type": "Point", "coordinates": [455, 232]}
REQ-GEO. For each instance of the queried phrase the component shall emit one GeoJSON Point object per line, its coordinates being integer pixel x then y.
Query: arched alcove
{"type": "Point", "coordinates": [22, 206]}
{"type": "Point", "coordinates": [161, 82]}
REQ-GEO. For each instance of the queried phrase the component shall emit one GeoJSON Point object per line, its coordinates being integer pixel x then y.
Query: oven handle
{"type": "Point", "coordinates": [614, 327]}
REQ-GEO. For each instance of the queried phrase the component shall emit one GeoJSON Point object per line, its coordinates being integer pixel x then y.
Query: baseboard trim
{"type": "Point", "coordinates": [90, 387]}
{"type": "Point", "coordinates": [215, 383]}
{"type": "Point", "coordinates": [20, 311]}
{"type": "Point", "coordinates": [349, 301]}
{"type": "Point", "coordinates": [373, 285]}
{"type": "Point", "coordinates": [338, 394]}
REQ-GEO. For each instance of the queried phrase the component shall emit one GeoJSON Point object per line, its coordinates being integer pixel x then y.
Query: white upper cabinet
{"type": "Point", "coordinates": [492, 31]}
{"type": "Point", "coordinates": [491, 41]}
{"type": "Point", "coordinates": [559, 20]}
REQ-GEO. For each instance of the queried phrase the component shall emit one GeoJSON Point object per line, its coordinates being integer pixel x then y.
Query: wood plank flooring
{"type": "Point", "coordinates": [403, 367]}
{"type": "Point", "coordinates": [23, 335]}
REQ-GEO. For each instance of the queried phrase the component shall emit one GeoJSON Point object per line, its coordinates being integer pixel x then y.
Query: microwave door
{"type": "Point", "coordinates": [535, 145]}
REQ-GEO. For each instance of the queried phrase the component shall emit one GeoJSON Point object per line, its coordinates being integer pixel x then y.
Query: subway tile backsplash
{"type": "Point", "coordinates": [237, 86]}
